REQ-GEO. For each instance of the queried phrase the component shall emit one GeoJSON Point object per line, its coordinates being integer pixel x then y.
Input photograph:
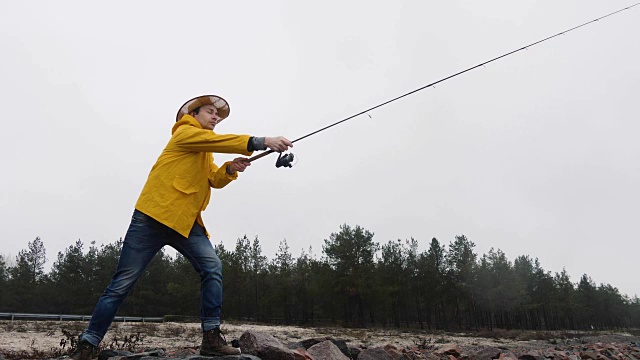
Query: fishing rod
{"type": "Point", "coordinates": [285, 159]}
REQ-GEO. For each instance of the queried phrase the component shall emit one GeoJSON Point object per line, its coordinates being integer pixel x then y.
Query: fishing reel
{"type": "Point", "coordinates": [284, 160]}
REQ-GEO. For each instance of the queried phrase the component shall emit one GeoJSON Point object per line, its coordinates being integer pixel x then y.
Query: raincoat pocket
{"type": "Point", "coordinates": [184, 186]}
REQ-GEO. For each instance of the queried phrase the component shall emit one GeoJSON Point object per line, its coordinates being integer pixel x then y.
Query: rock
{"type": "Point", "coordinates": [301, 354]}
{"type": "Point", "coordinates": [326, 350]}
{"type": "Point", "coordinates": [536, 355]}
{"type": "Point", "coordinates": [292, 345]}
{"type": "Point", "coordinates": [354, 351]}
{"type": "Point", "coordinates": [530, 357]}
{"type": "Point", "coordinates": [307, 343]}
{"type": "Point", "coordinates": [181, 353]}
{"type": "Point", "coordinates": [485, 354]}
{"type": "Point", "coordinates": [393, 351]}
{"type": "Point", "coordinates": [342, 345]}
{"type": "Point", "coordinates": [556, 355]}
{"type": "Point", "coordinates": [106, 354]}
{"type": "Point", "coordinates": [508, 356]}
{"type": "Point", "coordinates": [374, 354]}
{"type": "Point", "coordinates": [201, 357]}
{"type": "Point", "coordinates": [264, 346]}
{"type": "Point", "coordinates": [228, 357]}
{"type": "Point", "coordinates": [125, 355]}
{"type": "Point", "coordinates": [449, 349]}
{"type": "Point", "coordinates": [414, 353]}
{"type": "Point", "coordinates": [588, 355]}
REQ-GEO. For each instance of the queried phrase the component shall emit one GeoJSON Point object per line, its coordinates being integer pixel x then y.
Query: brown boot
{"type": "Point", "coordinates": [84, 351]}
{"type": "Point", "coordinates": [214, 343]}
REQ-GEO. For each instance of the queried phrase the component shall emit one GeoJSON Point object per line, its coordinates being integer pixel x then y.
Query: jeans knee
{"type": "Point", "coordinates": [121, 283]}
{"type": "Point", "coordinates": [115, 292]}
{"type": "Point", "coordinates": [212, 268]}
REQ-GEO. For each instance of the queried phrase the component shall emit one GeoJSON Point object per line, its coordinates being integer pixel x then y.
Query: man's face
{"type": "Point", "coordinates": [207, 117]}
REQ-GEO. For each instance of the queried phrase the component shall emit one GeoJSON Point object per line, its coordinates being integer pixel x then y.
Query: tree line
{"type": "Point", "coordinates": [356, 282]}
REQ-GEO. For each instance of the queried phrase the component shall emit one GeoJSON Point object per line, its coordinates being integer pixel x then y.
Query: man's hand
{"type": "Point", "coordinates": [277, 143]}
{"type": "Point", "coordinates": [238, 164]}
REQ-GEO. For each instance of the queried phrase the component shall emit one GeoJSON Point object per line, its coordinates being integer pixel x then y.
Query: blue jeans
{"type": "Point", "coordinates": [144, 239]}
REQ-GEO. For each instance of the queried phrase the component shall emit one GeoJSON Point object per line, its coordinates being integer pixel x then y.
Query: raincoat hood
{"type": "Point", "coordinates": [186, 120]}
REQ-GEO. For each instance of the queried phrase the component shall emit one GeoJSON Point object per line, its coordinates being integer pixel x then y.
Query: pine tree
{"type": "Point", "coordinates": [4, 278]}
{"type": "Point", "coordinates": [461, 262]}
{"type": "Point", "coordinates": [350, 255]}
{"type": "Point", "coordinates": [26, 275]}
{"type": "Point", "coordinates": [432, 277]}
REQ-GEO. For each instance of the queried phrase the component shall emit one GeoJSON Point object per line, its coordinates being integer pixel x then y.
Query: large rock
{"type": "Point", "coordinates": [264, 346]}
{"type": "Point", "coordinates": [182, 352]}
{"type": "Point", "coordinates": [202, 357]}
{"type": "Point", "coordinates": [106, 354]}
{"type": "Point", "coordinates": [302, 354]}
{"type": "Point", "coordinates": [449, 349]}
{"type": "Point", "coordinates": [374, 354]}
{"type": "Point", "coordinates": [326, 350]}
{"type": "Point", "coordinates": [125, 355]}
{"type": "Point", "coordinates": [307, 343]}
{"type": "Point", "coordinates": [354, 351]}
{"type": "Point", "coordinates": [534, 355]}
{"type": "Point", "coordinates": [393, 350]}
{"type": "Point", "coordinates": [342, 345]}
{"type": "Point", "coordinates": [591, 355]}
{"type": "Point", "coordinates": [485, 354]}
{"type": "Point", "coordinates": [508, 356]}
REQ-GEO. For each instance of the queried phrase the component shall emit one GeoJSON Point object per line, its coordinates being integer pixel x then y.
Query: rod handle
{"type": "Point", "coordinates": [260, 155]}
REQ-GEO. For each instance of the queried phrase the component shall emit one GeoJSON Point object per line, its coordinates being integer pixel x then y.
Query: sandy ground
{"type": "Point", "coordinates": [46, 336]}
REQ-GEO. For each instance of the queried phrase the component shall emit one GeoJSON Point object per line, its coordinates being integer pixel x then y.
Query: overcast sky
{"type": "Point", "coordinates": [536, 154]}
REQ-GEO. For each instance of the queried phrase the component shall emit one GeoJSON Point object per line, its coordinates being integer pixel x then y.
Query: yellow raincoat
{"type": "Point", "coordinates": [179, 185]}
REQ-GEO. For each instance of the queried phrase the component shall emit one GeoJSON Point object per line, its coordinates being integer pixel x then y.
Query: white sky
{"type": "Point", "coordinates": [535, 154]}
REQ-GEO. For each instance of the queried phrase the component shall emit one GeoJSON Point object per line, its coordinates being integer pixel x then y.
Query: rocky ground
{"type": "Point", "coordinates": [47, 340]}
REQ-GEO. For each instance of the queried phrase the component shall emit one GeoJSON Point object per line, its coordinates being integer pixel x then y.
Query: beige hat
{"type": "Point", "coordinates": [221, 104]}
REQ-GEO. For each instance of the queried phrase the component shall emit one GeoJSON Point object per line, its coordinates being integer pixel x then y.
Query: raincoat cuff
{"type": "Point", "coordinates": [226, 174]}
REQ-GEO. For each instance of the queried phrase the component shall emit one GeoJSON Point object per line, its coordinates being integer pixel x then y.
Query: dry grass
{"type": "Point", "coordinates": [44, 339]}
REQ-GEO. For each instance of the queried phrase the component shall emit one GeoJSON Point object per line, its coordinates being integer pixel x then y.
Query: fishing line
{"type": "Point", "coordinates": [284, 160]}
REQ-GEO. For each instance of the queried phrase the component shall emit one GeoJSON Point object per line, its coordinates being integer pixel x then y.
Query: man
{"type": "Point", "coordinates": [168, 212]}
